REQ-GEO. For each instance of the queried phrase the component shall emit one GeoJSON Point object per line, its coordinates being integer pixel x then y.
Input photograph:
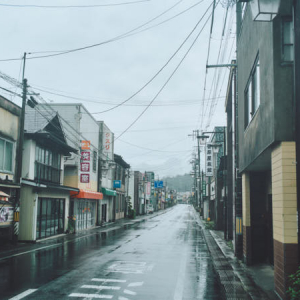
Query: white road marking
{"type": "Point", "coordinates": [123, 298]}
{"type": "Point", "coordinates": [108, 280]}
{"type": "Point", "coordinates": [128, 272]}
{"type": "Point", "coordinates": [91, 296]}
{"type": "Point", "coordinates": [133, 284]}
{"type": "Point", "coordinates": [130, 267]}
{"type": "Point", "coordinates": [101, 287]}
{"type": "Point", "coordinates": [129, 292]}
{"type": "Point", "coordinates": [24, 294]}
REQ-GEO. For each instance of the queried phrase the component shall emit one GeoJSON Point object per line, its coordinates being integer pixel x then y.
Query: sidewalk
{"type": "Point", "coordinates": [9, 250]}
{"type": "Point", "coordinates": [238, 280]}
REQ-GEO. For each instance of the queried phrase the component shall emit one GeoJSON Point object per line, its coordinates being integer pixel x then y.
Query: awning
{"type": "Point", "coordinates": [3, 196]}
{"type": "Point", "coordinates": [108, 192]}
{"type": "Point", "coordinates": [83, 194]}
{"type": "Point", "coordinates": [10, 185]}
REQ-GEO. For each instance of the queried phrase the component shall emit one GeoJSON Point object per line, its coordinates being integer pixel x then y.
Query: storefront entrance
{"type": "Point", "coordinates": [104, 213]}
{"type": "Point", "coordinates": [50, 217]}
{"type": "Point", "coordinates": [85, 212]}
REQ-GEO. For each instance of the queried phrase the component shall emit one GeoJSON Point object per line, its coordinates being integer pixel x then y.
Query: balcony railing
{"type": "Point", "coordinates": [46, 173]}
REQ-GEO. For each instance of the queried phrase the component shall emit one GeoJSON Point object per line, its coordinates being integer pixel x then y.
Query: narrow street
{"type": "Point", "coordinates": [163, 258]}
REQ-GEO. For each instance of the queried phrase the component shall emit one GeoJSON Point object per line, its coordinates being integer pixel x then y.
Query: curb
{"type": "Point", "coordinates": [232, 273]}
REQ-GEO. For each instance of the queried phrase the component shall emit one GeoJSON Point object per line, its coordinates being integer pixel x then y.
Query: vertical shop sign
{"type": "Point", "coordinates": [107, 143]}
{"type": "Point", "coordinates": [85, 162]}
{"type": "Point", "coordinates": [209, 160]}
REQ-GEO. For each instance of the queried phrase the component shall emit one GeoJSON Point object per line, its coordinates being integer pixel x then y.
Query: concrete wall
{"type": "Point", "coordinates": [275, 114]}
{"type": "Point", "coordinates": [256, 39]}
{"type": "Point", "coordinates": [28, 161]}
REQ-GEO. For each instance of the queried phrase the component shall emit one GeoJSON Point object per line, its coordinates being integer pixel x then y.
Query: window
{"type": "Point", "coordinates": [287, 33]}
{"type": "Point", "coordinates": [6, 155]}
{"type": "Point", "coordinates": [47, 165]}
{"type": "Point", "coordinates": [252, 93]}
{"type": "Point", "coordinates": [244, 5]}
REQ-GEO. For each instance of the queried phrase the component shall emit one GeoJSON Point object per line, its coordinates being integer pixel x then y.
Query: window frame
{"type": "Point", "coordinates": [47, 165]}
{"type": "Point", "coordinates": [2, 168]}
{"type": "Point", "coordinates": [287, 19]}
{"type": "Point", "coordinates": [252, 99]}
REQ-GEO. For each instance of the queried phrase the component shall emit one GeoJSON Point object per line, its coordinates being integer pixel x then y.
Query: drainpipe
{"type": "Point", "coordinates": [296, 17]}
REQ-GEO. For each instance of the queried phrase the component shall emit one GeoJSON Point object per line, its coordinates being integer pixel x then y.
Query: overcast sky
{"type": "Point", "coordinates": [108, 74]}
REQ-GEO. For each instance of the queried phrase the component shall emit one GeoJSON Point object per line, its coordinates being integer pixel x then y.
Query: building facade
{"type": "Point", "coordinates": [267, 143]}
{"type": "Point", "coordinates": [82, 169]}
{"type": "Point", "coordinates": [45, 200]}
{"type": "Point", "coordinates": [9, 147]}
{"type": "Point", "coordinates": [120, 186]}
{"type": "Point", "coordinates": [106, 173]}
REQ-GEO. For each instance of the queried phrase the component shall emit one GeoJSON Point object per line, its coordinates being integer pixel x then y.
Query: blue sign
{"type": "Point", "coordinates": [158, 184]}
{"type": "Point", "coordinates": [117, 184]}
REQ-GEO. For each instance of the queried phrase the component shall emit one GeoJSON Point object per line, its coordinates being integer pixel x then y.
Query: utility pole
{"type": "Point", "coordinates": [199, 174]}
{"type": "Point", "coordinates": [199, 202]}
{"type": "Point", "coordinates": [20, 154]}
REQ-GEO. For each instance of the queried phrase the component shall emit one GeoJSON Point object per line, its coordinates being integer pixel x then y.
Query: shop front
{"type": "Point", "coordinates": [50, 217]}
{"type": "Point", "coordinates": [6, 215]}
{"type": "Point", "coordinates": [83, 209]}
{"type": "Point", "coordinates": [107, 204]}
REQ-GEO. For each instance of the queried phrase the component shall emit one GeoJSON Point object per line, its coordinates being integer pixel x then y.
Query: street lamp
{"type": "Point", "coordinates": [264, 10]}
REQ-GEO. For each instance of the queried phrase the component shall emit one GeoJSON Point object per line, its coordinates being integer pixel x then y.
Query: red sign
{"type": "Point", "coordinates": [85, 155]}
{"type": "Point", "coordinates": [85, 167]}
{"type": "Point", "coordinates": [84, 178]}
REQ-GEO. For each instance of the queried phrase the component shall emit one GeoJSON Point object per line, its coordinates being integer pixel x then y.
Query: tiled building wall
{"type": "Point", "coordinates": [284, 192]}
{"type": "Point", "coordinates": [246, 219]}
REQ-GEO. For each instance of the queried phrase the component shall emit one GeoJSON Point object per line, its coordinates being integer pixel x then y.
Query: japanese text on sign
{"type": "Point", "coordinates": [85, 156]}
{"type": "Point", "coordinates": [107, 140]}
{"type": "Point", "coordinates": [209, 160]}
{"type": "Point", "coordinates": [85, 167]}
{"type": "Point", "coordinates": [85, 145]}
{"type": "Point", "coordinates": [84, 178]}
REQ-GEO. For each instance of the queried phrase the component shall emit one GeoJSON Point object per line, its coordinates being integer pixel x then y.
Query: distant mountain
{"type": "Point", "coordinates": [180, 183]}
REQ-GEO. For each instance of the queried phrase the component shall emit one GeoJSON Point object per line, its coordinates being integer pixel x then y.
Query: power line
{"type": "Point", "coordinates": [11, 92]}
{"type": "Point", "coordinates": [71, 6]}
{"type": "Point", "coordinates": [161, 69]}
{"type": "Point", "coordinates": [172, 74]}
{"type": "Point", "coordinates": [154, 150]}
{"type": "Point", "coordinates": [208, 52]}
{"type": "Point", "coordinates": [217, 78]}
{"type": "Point", "coordinates": [166, 146]}
{"type": "Point", "coordinates": [119, 37]}
{"type": "Point", "coordinates": [184, 102]}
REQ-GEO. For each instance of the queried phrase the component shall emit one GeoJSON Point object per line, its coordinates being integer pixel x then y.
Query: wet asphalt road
{"type": "Point", "coordinates": [163, 258]}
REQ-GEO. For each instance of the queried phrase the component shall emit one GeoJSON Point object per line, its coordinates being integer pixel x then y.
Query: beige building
{"type": "Point", "coordinates": [44, 205]}
{"type": "Point", "coordinates": [9, 183]}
